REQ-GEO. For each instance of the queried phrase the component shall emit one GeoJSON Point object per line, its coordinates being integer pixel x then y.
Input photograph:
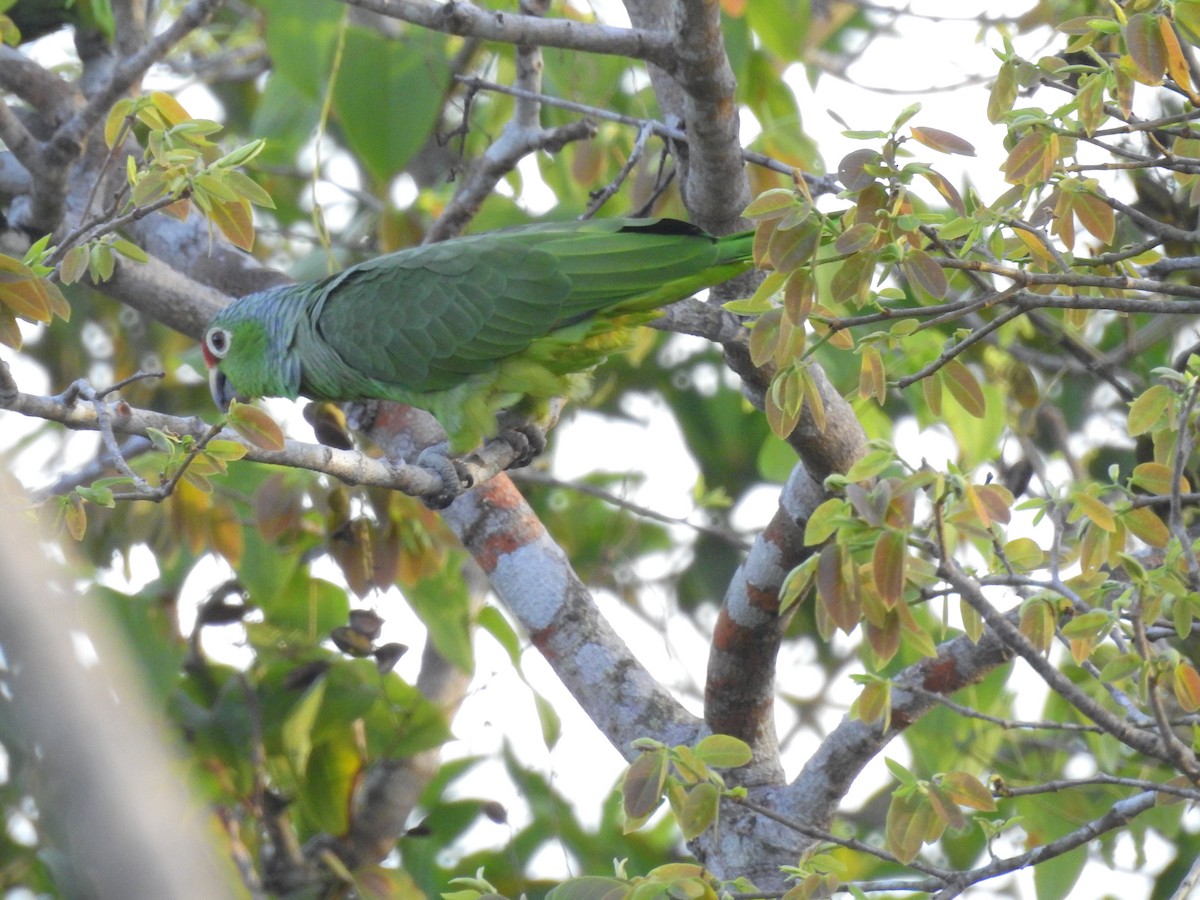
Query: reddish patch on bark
{"type": "Point", "coordinates": [543, 640]}
{"type": "Point", "coordinates": [727, 634]}
{"type": "Point", "coordinates": [507, 525]}
{"type": "Point", "coordinates": [765, 600]}
{"type": "Point", "coordinates": [941, 677]}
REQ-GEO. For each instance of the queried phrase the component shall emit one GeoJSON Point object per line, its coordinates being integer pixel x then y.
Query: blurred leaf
{"type": "Point", "coordinates": [256, 426]}
{"type": "Point", "coordinates": [642, 786]}
{"type": "Point", "coordinates": [699, 810]}
{"type": "Point", "coordinates": [942, 141]}
{"type": "Point", "coordinates": [410, 74]}
{"type": "Point", "coordinates": [723, 751]}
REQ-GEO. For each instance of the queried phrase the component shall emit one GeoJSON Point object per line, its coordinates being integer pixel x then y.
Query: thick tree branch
{"type": "Point", "coordinates": [111, 799]}
{"type": "Point", "coordinates": [739, 694]}
{"type": "Point", "coordinates": [467, 20]}
{"type": "Point", "coordinates": [714, 185]}
{"type": "Point", "coordinates": [534, 579]}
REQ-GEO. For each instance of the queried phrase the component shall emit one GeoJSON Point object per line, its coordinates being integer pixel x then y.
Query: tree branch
{"type": "Point", "coordinates": [467, 20]}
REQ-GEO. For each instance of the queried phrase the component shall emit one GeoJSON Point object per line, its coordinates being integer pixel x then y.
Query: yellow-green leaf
{"type": "Point", "coordinates": [1146, 526]}
{"type": "Point", "coordinates": [723, 751]}
{"type": "Point", "coordinates": [74, 265]}
{"type": "Point", "coordinates": [116, 120]}
{"type": "Point", "coordinates": [1156, 478]}
{"type": "Point", "coordinates": [235, 221]}
{"type": "Point", "coordinates": [1024, 554]}
{"type": "Point", "coordinates": [1187, 686]}
{"type": "Point", "coordinates": [1146, 410]}
{"type": "Point", "coordinates": [1095, 510]}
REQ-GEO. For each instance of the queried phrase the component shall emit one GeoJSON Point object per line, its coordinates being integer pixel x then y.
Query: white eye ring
{"type": "Point", "coordinates": [217, 341]}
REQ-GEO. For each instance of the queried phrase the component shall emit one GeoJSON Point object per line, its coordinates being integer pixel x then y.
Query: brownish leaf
{"type": "Point", "coordinates": [1096, 216]}
{"type": "Point", "coordinates": [1031, 160]}
{"type": "Point", "coordinates": [235, 221]}
{"type": "Point", "coordinates": [852, 170]}
{"type": "Point", "coordinates": [642, 787]}
{"type": "Point", "coordinates": [945, 809]}
{"type": "Point", "coordinates": [964, 388]}
{"type": "Point", "coordinates": [943, 141]}
{"type": "Point", "coordinates": [967, 790]}
{"type": "Point", "coordinates": [1037, 623]}
{"type": "Point", "coordinates": [798, 297]}
{"type": "Point", "coordinates": [907, 823]}
{"type": "Point", "coordinates": [1147, 50]}
{"type": "Point", "coordinates": [948, 191]}
{"type": "Point", "coordinates": [926, 274]}
{"type": "Point", "coordinates": [256, 426]}
{"type": "Point", "coordinates": [872, 379]}
{"type": "Point", "coordinates": [888, 562]}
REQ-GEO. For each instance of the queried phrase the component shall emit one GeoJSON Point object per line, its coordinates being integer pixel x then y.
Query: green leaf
{"type": "Point", "coordinates": [443, 604]}
{"type": "Point", "coordinates": [332, 773]}
{"type": "Point", "coordinates": [824, 521]}
{"type": "Point", "coordinates": [589, 887]}
{"type": "Point", "coordinates": [1055, 878]}
{"type": "Point", "coordinates": [1146, 410]}
{"type": "Point", "coordinates": [296, 734]}
{"type": "Point", "coordinates": [874, 463]}
{"type": "Point", "coordinates": [410, 73]}
{"type": "Point", "coordinates": [699, 809]}
{"type": "Point", "coordinates": [493, 622]}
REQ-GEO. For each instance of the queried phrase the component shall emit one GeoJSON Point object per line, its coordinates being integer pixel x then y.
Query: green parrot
{"type": "Point", "coordinates": [467, 328]}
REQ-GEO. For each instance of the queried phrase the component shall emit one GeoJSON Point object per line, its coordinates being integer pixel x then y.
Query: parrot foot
{"type": "Point", "coordinates": [455, 478]}
{"type": "Point", "coordinates": [527, 442]}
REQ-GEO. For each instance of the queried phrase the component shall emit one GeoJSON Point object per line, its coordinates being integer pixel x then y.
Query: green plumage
{"type": "Point", "coordinates": [471, 326]}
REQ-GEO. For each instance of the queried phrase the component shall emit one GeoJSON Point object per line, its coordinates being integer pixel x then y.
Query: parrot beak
{"type": "Point", "coordinates": [223, 391]}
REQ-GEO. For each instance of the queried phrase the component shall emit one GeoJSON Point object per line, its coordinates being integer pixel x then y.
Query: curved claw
{"type": "Point", "coordinates": [455, 478]}
{"type": "Point", "coordinates": [527, 441]}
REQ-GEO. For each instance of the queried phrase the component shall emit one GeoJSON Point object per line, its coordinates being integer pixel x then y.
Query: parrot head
{"type": "Point", "coordinates": [247, 352]}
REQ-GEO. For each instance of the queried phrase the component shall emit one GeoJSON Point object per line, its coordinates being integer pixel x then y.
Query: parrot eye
{"type": "Point", "coordinates": [217, 342]}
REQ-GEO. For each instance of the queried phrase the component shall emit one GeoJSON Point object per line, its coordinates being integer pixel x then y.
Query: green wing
{"type": "Point", "coordinates": [425, 318]}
